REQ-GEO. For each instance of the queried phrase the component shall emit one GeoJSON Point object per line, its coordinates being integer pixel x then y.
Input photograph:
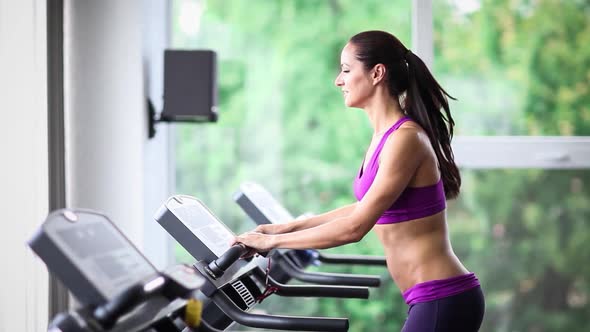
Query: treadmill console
{"type": "Point", "coordinates": [195, 227]}
{"type": "Point", "coordinates": [89, 254]}
{"type": "Point", "coordinates": [200, 232]}
{"type": "Point", "coordinates": [260, 205]}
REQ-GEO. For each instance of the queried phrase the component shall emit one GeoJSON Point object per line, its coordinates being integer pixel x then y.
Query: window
{"type": "Point", "coordinates": [521, 80]}
{"type": "Point", "coordinates": [520, 75]}
{"type": "Point", "coordinates": [524, 233]}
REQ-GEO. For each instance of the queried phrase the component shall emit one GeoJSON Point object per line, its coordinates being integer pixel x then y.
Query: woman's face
{"type": "Point", "coordinates": [353, 79]}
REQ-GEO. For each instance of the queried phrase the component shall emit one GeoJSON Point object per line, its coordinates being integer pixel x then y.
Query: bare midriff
{"type": "Point", "coordinates": [419, 250]}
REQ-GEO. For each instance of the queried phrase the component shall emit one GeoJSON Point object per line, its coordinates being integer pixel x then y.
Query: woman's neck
{"type": "Point", "coordinates": [383, 113]}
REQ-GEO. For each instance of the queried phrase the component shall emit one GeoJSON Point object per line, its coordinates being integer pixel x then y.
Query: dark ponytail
{"type": "Point", "coordinates": [426, 103]}
{"type": "Point", "coordinates": [421, 97]}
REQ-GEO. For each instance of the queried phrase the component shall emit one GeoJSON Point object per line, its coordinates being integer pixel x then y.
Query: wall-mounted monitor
{"type": "Point", "coordinates": [190, 88]}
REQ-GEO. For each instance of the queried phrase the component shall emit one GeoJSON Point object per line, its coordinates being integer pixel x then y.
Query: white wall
{"type": "Point", "coordinates": [23, 167]}
{"type": "Point", "coordinates": [109, 53]}
{"type": "Point", "coordinates": [105, 110]}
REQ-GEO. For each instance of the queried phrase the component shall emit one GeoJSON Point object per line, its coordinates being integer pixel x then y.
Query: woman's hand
{"type": "Point", "coordinates": [258, 241]}
{"type": "Point", "coordinates": [270, 229]}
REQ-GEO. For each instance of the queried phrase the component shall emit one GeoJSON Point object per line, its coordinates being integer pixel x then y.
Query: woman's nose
{"type": "Point", "coordinates": [338, 81]}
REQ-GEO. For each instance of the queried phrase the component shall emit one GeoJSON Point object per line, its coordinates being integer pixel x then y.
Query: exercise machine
{"type": "Point", "coordinates": [117, 288]}
{"type": "Point", "coordinates": [238, 284]}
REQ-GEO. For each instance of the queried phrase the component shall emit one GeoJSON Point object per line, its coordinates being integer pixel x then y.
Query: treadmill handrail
{"type": "Point", "coordinates": [347, 292]}
{"type": "Point", "coordinates": [278, 322]}
{"type": "Point", "coordinates": [352, 259]}
{"type": "Point", "coordinates": [324, 278]}
{"type": "Point", "coordinates": [108, 313]}
{"type": "Point", "coordinates": [205, 327]}
{"type": "Point", "coordinates": [68, 322]}
{"type": "Point", "coordinates": [217, 267]}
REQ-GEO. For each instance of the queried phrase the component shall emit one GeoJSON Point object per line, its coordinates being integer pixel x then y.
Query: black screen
{"type": "Point", "coordinates": [190, 87]}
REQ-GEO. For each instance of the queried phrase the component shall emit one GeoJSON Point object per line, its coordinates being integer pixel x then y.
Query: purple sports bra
{"type": "Point", "coordinates": [413, 202]}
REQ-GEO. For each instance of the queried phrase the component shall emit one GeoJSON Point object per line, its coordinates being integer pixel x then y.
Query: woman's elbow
{"type": "Point", "coordinates": [355, 235]}
{"type": "Point", "coordinates": [344, 238]}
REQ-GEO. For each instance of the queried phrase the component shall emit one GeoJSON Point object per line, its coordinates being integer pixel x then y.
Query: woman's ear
{"type": "Point", "coordinates": [378, 73]}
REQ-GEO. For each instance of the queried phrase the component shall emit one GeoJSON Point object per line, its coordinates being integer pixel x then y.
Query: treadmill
{"type": "Point", "coordinates": [235, 285]}
{"type": "Point", "coordinates": [117, 288]}
{"type": "Point", "coordinates": [259, 204]}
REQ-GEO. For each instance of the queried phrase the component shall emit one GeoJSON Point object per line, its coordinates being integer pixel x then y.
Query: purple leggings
{"type": "Point", "coordinates": [462, 312]}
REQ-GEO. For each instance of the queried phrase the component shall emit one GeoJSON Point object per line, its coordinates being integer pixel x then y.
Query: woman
{"type": "Point", "coordinates": [402, 186]}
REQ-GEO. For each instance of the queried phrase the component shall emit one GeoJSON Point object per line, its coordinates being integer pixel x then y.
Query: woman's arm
{"type": "Point", "coordinates": [399, 160]}
{"type": "Point", "coordinates": [298, 225]}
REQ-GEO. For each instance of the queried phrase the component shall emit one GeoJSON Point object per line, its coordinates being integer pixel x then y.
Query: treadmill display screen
{"type": "Point", "coordinates": [104, 256]}
{"type": "Point", "coordinates": [267, 204]}
{"type": "Point", "coordinates": [89, 239]}
{"type": "Point", "coordinates": [210, 230]}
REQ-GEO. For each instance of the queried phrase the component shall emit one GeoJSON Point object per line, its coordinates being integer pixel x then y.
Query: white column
{"type": "Point", "coordinates": [422, 31]}
{"type": "Point", "coordinates": [24, 168]}
{"type": "Point", "coordinates": [159, 153]}
{"type": "Point", "coordinates": [105, 110]}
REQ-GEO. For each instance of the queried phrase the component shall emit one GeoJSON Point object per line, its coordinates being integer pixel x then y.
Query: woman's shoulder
{"type": "Point", "coordinates": [411, 125]}
{"type": "Point", "coordinates": [409, 134]}
{"type": "Point", "coordinates": [409, 140]}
